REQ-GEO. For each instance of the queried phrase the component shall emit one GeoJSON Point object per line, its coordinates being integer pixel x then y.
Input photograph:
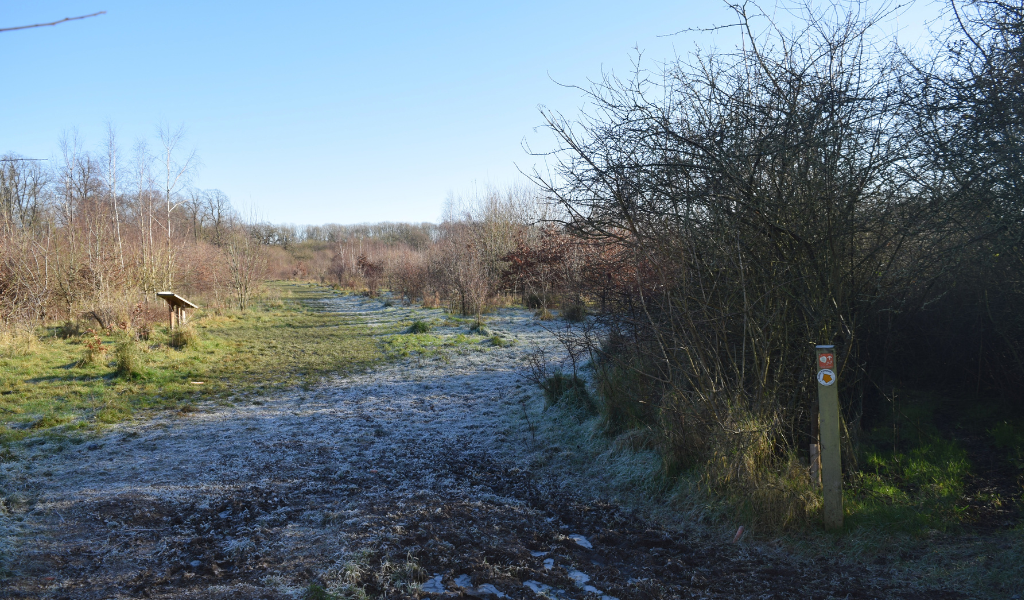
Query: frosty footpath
{"type": "Point", "coordinates": [430, 478]}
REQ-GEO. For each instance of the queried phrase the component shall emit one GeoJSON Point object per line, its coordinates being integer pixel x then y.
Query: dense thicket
{"type": "Point", "coordinates": [813, 186]}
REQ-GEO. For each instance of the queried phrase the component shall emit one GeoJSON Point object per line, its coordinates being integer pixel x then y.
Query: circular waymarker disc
{"type": "Point", "coordinates": [826, 377]}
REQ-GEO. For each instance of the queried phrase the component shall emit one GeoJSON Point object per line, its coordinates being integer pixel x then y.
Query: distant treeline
{"type": "Point", "coordinates": [417, 236]}
{"type": "Point", "coordinates": [471, 261]}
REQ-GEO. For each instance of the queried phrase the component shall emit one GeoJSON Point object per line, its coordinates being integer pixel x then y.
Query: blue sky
{"type": "Point", "coordinates": [316, 112]}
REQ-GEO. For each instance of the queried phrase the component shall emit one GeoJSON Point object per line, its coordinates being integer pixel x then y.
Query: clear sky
{"type": "Point", "coordinates": [317, 112]}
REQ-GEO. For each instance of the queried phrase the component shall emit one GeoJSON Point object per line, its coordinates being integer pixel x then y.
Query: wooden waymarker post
{"type": "Point", "coordinates": [176, 307]}
{"type": "Point", "coordinates": [828, 431]}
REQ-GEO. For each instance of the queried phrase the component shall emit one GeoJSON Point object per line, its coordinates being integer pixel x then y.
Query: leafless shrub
{"type": "Point", "coordinates": [538, 367]}
{"type": "Point", "coordinates": [753, 204]}
{"type": "Point", "coordinates": [372, 272]}
{"type": "Point", "coordinates": [247, 265]}
{"type": "Point", "coordinates": [457, 271]}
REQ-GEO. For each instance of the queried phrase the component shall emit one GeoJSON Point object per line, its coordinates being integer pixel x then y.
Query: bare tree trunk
{"type": "Point", "coordinates": [175, 174]}
{"type": "Point", "coordinates": [144, 214]}
{"type": "Point", "coordinates": [112, 188]}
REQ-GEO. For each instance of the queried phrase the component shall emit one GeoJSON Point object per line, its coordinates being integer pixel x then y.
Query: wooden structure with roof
{"type": "Point", "coordinates": [176, 307]}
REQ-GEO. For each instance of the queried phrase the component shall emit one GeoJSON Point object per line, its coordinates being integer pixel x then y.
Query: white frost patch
{"type": "Point", "coordinates": [489, 590]}
{"type": "Point", "coordinates": [486, 589]}
{"type": "Point", "coordinates": [239, 548]}
{"type": "Point", "coordinates": [537, 587]}
{"type": "Point", "coordinates": [582, 541]}
{"type": "Point", "coordinates": [434, 586]}
{"type": "Point", "coordinates": [549, 563]}
{"type": "Point", "coordinates": [581, 580]}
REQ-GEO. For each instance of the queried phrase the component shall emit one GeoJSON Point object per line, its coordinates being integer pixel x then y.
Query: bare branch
{"type": "Point", "coordinates": [64, 20]}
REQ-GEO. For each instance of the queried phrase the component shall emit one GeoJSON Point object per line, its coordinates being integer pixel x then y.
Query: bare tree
{"type": "Point", "coordinates": [221, 215]}
{"type": "Point", "coordinates": [143, 180]}
{"type": "Point", "coordinates": [195, 207]}
{"type": "Point", "coordinates": [22, 185]}
{"type": "Point", "coordinates": [177, 171]}
{"type": "Point", "coordinates": [112, 190]}
{"type": "Point", "coordinates": [67, 264]}
{"type": "Point", "coordinates": [247, 265]}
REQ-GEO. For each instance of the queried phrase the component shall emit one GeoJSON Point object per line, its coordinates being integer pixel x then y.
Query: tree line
{"type": "Point", "coordinates": [95, 232]}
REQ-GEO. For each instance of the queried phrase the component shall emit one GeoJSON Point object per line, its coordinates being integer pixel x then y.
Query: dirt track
{"type": "Point", "coordinates": [413, 481]}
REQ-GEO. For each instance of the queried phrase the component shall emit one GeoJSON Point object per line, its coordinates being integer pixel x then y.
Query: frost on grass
{"type": "Point", "coordinates": [272, 491]}
{"type": "Point", "coordinates": [397, 482]}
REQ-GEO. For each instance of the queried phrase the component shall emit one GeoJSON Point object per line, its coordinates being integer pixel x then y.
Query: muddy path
{"type": "Point", "coordinates": [412, 481]}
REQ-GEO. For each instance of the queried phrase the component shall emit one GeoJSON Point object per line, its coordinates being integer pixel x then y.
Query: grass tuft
{"type": "Point", "coordinates": [128, 359]}
{"type": "Point", "coordinates": [93, 350]}
{"type": "Point", "coordinates": [183, 337]}
{"type": "Point", "coordinates": [479, 327]}
{"type": "Point", "coordinates": [419, 326]}
{"type": "Point", "coordinates": [568, 391]}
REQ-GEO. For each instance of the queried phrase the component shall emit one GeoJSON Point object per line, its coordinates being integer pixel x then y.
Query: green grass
{"type": "Point", "coordinates": [479, 327]}
{"type": "Point", "coordinates": [429, 339]}
{"type": "Point", "coordinates": [913, 473]}
{"type": "Point", "coordinates": [497, 340]}
{"type": "Point", "coordinates": [910, 492]}
{"type": "Point", "coordinates": [419, 326]}
{"type": "Point", "coordinates": [428, 345]}
{"type": "Point", "coordinates": [283, 343]}
{"type": "Point", "coordinates": [911, 505]}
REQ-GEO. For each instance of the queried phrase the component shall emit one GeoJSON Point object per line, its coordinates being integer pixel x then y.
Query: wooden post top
{"type": "Point", "coordinates": [175, 300]}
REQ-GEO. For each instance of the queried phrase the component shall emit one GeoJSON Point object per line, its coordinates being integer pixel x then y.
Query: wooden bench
{"type": "Point", "coordinates": [176, 307]}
